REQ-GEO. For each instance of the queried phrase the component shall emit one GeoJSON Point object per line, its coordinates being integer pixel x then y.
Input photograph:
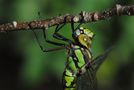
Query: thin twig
{"type": "Point", "coordinates": [84, 17]}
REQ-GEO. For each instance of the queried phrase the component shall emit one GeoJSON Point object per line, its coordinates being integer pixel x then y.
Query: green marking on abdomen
{"type": "Point", "coordinates": [69, 79]}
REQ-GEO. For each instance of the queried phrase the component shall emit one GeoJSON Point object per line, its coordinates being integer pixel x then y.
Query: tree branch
{"type": "Point", "coordinates": [84, 17]}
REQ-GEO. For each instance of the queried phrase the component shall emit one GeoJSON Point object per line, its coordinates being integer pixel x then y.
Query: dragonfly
{"type": "Point", "coordinates": [80, 67]}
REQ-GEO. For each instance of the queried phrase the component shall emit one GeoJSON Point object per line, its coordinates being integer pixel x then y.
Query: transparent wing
{"type": "Point", "coordinates": [87, 81]}
{"type": "Point", "coordinates": [96, 63]}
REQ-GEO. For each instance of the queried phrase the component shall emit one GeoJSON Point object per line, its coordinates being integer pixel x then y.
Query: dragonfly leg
{"type": "Point", "coordinates": [72, 26]}
{"type": "Point", "coordinates": [51, 42]}
{"type": "Point", "coordinates": [60, 37]}
{"type": "Point", "coordinates": [72, 23]}
{"type": "Point", "coordinates": [48, 41]}
{"type": "Point", "coordinates": [52, 49]}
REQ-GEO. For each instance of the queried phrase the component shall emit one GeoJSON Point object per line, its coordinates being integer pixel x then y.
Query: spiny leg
{"type": "Point", "coordinates": [62, 46]}
{"type": "Point", "coordinates": [60, 37]}
{"type": "Point", "coordinates": [53, 49]}
{"type": "Point", "coordinates": [81, 22]}
{"type": "Point", "coordinates": [52, 42]}
{"type": "Point", "coordinates": [48, 50]}
{"type": "Point", "coordinates": [73, 28]}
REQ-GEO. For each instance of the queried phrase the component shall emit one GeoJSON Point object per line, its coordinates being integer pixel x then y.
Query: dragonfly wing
{"type": "Point", "coordinates": [96, 63]}
{"type": "Point", "coordinates": [87, 81]}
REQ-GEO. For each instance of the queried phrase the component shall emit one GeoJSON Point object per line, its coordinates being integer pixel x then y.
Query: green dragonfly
{"type": "Point", "coordinates": [80, 68]}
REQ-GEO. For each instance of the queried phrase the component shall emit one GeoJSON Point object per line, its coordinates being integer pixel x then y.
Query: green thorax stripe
{"type": "Point", "coordinates": [80, 58]}
{"type": "Point", "coordinates": [83, 55]}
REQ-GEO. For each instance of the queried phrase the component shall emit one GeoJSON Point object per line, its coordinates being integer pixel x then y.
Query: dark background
{"type": "Point", "coordinates": [23, 66]}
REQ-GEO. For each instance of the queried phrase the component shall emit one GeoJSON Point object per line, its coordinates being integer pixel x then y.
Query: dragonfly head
{"type": "Point", "coordinates": [84, 36]}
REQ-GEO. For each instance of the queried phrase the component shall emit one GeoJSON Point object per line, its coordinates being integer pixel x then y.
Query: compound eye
{"type": "Point", "coordinates": [78, 32]}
